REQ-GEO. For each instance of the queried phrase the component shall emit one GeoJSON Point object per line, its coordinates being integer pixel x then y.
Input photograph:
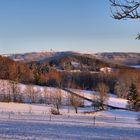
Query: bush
{"type": "Point", "coordinates": [54, 111]}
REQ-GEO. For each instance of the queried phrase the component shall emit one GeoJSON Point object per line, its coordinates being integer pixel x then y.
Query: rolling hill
{"type": "Point", "coordinates": [120, 58]}
{"type": "Point", "coordinates": [113, 57]}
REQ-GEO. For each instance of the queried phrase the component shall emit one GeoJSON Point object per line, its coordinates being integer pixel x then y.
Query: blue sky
{"type": "Point", "coordinates": [64, 25]}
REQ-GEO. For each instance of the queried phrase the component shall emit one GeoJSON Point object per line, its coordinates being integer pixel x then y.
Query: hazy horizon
{"type": "Point", "coordinates": [55, 51]}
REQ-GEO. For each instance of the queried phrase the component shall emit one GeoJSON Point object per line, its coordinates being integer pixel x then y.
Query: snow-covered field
{"type": "Point", "coordinates": [33, 122]}
{"type": "Point", "coordinates": [112, 101]}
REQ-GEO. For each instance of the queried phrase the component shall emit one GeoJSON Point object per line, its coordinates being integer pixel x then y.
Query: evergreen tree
{"type": "Point", "coordinates": [133, 98]}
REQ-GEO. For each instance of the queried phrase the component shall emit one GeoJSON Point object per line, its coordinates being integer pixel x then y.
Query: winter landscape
{"type": "Point", "coordinates": [34, 125]}
{"type": "Point", "coordinates": [84, 85]}
{"type": "Point", "coordinates": [35, 121]}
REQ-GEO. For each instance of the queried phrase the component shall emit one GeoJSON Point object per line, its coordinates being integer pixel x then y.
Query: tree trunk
{"type": "Point", "coordinates": [57, 108]}
{"type": "Point", "coordinates": [76, 110]}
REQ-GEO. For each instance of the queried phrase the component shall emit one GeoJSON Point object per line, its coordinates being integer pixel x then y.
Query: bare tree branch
{"type": "Point", "coordinates": [126, 9]}
{"type": "Point", "coordinates": [138, 36]}
{"type": "Point", "coordinates": [123, 9]}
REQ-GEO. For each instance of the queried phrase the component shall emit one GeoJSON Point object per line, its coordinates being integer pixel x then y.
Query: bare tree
{"type": "Point", "coordinates": [95, 103]}
{"type": "Point", "coordinates": [14, 90]}
{"type": "Point", "coordinates": [56, 100]}
{"type": "Point", "coordinates": [68, 101]}
{"type": "Point", "coordinates": [103, 94]}
{"type": "Point", "coordinates": [8, 91]}
{"type": "Point", "coordinates": [126, 9]}
{"type": "Point", "coordinates": [122, 87]}
{"type": "Point", "coordinates": [75, 101]}
{"type": "Point", "coordinates": [46, 95]}
{"type": "Point", "coordinates": [38, 96]}
{"type": "Point", "coordinates": [4, 91]}
{"type": "Point", "coordinates": [30, 91]}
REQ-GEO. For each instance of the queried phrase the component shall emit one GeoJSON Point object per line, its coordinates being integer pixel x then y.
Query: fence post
{"type": "Point", "coordinates": [94, 120]}
{"type": "Point", "coordinates": [9, 116]}
{"type": "Point", "coordinates": [50, 117]}
{"type": "Point", "coordinates": [115, 118]}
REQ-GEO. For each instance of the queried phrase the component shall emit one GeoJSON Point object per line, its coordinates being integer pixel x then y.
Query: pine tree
{"type": "Point", "coordinates": [133, 97]}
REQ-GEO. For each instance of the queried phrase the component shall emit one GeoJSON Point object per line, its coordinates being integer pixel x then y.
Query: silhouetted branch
{"type": "Point", "coordinates": [123, 9]}
{"type": "Point", "coordinates": [138, 36]}
{"type": "Point", "coordinates": [126, 9]}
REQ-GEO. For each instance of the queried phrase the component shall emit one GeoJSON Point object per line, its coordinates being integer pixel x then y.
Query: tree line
{"type": "Point", "coordinates": [16, 71]}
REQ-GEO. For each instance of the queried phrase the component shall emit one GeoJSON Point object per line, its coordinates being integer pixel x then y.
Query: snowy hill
{"type": "Point", "coordinates": [39, 56]}
{"type": "Point", "coordinates": [39, 90]}
{"type": "Point", "coordinates": [112, 101]}
{"type": "Point", "coordinates": [120, 57]}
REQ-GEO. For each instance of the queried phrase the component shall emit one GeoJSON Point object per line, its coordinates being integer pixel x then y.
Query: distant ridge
{"type": "Point", "coordinates": [39, 56]}
{"type": "Point", "coordinates": [113, 57]}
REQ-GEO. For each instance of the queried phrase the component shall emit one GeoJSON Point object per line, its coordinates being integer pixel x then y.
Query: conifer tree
{"type": "Point", "coordinates": [133, 98]}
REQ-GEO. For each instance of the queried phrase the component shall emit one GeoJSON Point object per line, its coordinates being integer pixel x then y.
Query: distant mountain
{"type": "Point", "coordinates": [38, 56]}
{"type": "Point", "coordinates": [64, 60]}
{"type": "Point", "coordinates": [33, 56]}
{"type": "Point", "coordinates": [117, 58]}
{"type": "Point", "coordinates": [69, 60]}
{"type": "Point", "coordinates": [120, 58]}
